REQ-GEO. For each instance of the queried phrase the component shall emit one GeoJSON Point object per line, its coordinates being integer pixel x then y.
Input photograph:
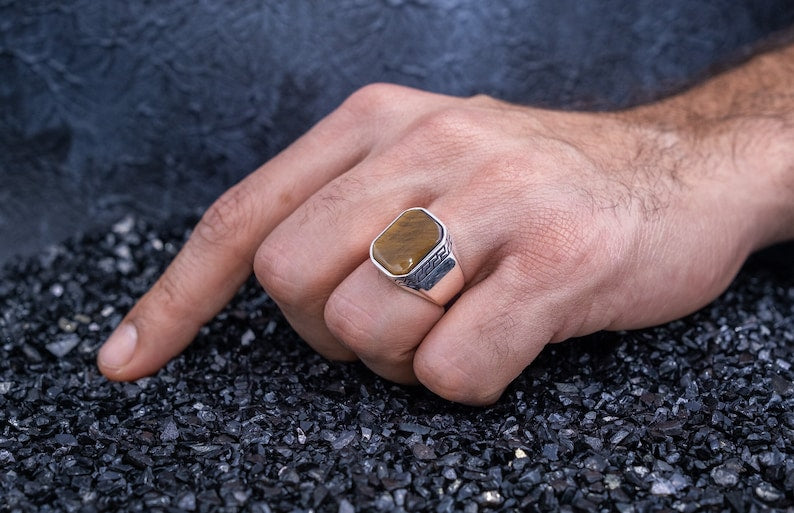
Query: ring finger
{"type": "Point", "coordinates": [382, 322]}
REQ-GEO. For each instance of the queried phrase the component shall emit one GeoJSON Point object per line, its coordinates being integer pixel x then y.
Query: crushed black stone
{"type": "Point", "coordinates": [694, 415]}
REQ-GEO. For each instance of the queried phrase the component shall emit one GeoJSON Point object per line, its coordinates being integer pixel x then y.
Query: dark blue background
{"type": "Point", "coordinates": [155, 107]}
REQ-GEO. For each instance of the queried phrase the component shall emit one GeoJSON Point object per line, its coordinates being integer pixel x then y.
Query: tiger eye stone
{"type": "Point", "coordinates": [406, 241]}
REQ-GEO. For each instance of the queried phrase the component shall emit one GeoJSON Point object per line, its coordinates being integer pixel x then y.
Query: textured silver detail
{"type": "Point", "coordinates": [431, 269]}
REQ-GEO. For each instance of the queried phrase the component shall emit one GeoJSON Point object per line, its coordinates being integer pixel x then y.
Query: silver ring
{"type": "Point", "coordinates": [415, 252]}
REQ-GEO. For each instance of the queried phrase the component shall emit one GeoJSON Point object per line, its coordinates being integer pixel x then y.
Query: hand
{"type": "Point", "coordinates": [563, 223]}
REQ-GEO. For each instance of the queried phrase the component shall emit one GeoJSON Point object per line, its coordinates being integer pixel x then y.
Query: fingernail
{"type": "Point", "coordinates": [118, 349]}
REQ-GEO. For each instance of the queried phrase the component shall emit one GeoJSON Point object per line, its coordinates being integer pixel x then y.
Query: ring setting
{"type": "Point", "coordinates": [415, 251]}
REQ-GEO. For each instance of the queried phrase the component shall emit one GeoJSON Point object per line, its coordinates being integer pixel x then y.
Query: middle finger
{"type": "Point", "coordinates": [312, 251]}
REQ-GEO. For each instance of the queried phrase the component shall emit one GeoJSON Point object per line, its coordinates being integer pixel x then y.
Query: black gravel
{"type": "Point", "coordinates": [694, 415]}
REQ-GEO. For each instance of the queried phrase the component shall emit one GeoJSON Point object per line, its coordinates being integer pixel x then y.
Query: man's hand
{"type": "Point", "coordinates": [564, 224]}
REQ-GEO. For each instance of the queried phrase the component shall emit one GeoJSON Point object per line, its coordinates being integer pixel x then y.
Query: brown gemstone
{"type": "Point", "coordinates": [406, 241]}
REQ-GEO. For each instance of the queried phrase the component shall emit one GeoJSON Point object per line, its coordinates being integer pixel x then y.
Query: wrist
{"type": "Point", "coordinates": [745, 161]}
{"type": "Point", "coordinates": [755, 157]}
{"type": "Point", "coordinates": [742, 126]}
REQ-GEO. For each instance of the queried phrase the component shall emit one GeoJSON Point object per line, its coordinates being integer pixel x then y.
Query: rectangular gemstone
{"type": "Point", "coordinates": [406, 241]}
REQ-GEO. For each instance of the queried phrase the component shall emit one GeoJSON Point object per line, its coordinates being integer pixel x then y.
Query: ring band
{"type": "Point", "coordinates": [415, 252]}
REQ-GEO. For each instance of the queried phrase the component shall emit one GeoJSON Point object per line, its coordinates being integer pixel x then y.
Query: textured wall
{"type": "Point", "coordinates": [155, 107]}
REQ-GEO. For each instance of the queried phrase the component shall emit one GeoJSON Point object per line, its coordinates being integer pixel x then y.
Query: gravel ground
{"type": "Point", "coordinates": [694, 415]}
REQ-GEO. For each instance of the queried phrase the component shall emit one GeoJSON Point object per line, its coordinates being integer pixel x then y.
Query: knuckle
{"type": "Point", "coordinates": [172, 298]}
{"type": "Point", "coordinates": [334, 197]}
{"type": "Point", "coordinates": [352, 325]}
{"type": "Point", "coordinates": [371, 100]}
{"type": "Point", "coordinates": [449, 123]}
{"type": "Point", "coordinates": [448, 133]}
{"type": "Point", "coordinates": [227, 219]}
{"type": "Point", "coordinates": [278, 275]}
{"type": "Point", "coordinates": [484, 100]}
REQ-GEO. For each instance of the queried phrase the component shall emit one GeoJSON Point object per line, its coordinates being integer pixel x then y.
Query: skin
{"type": "Point", "coordinates": [564, 223]}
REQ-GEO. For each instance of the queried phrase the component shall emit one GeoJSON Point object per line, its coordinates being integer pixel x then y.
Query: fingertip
{"type": "Point", "coordinates": [118, 351]}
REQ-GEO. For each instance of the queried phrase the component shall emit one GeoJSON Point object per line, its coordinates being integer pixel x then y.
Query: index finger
{"type": "Point", "coordinates": [217, 257]}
